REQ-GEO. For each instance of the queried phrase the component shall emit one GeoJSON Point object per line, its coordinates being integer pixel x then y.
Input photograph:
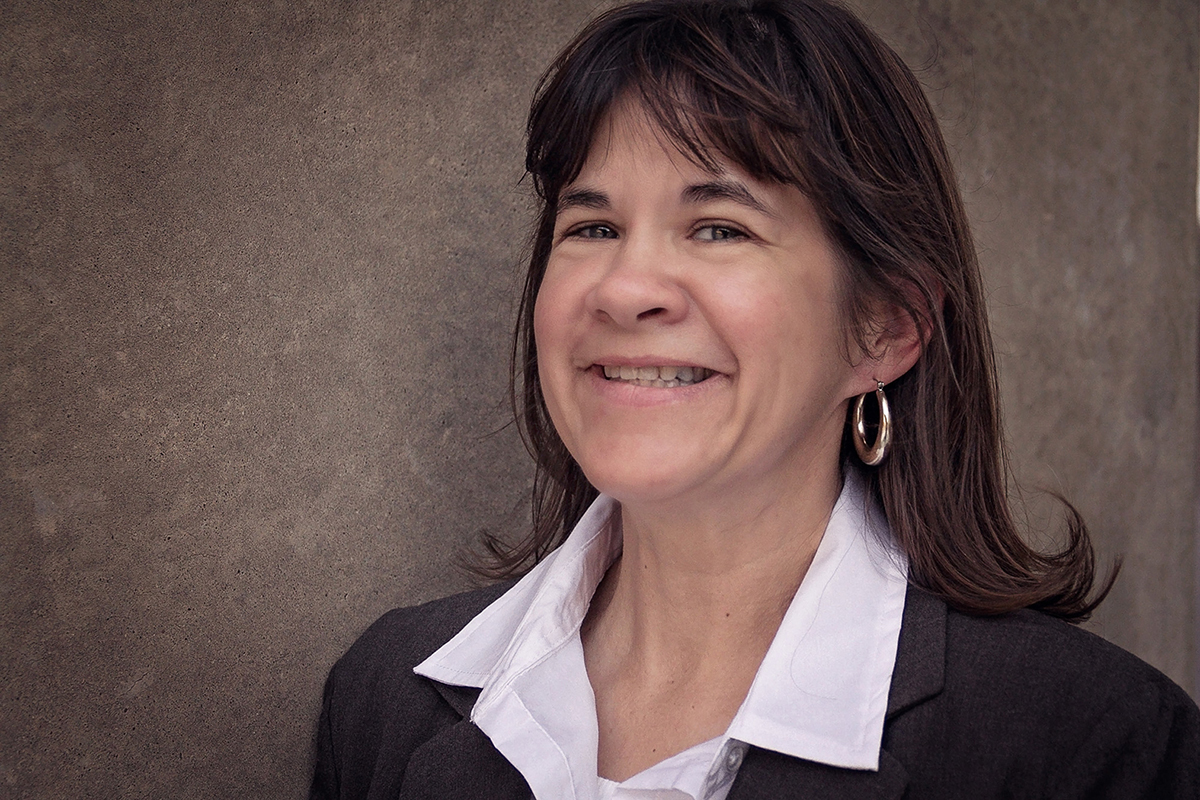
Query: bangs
{"type": "Point", "coordinates": [738, 97]}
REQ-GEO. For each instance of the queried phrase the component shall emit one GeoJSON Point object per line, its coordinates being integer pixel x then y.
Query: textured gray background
{"type": "Point", "coordinates": [259, 267]}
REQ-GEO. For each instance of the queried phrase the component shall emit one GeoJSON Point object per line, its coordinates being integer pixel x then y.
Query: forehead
{"type": "Point", "coordinates": [628, 133]}
{"type": "Point", "coordinates": [631, 156]}
{"type": "Point", "coordinates": [627, 127]}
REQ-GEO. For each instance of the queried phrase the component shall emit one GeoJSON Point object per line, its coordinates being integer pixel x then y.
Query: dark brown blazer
{"type": "Point", "coordinates": [1020, 706]}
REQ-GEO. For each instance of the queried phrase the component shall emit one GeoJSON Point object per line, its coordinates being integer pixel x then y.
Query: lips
{"type": "Point", "coordinates": [664, 377]}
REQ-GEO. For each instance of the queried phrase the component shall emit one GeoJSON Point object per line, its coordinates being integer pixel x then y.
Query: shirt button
{"type": "Point", "coordinates": [733, 758]}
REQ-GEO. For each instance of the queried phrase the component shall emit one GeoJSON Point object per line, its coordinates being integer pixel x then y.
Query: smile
{"type": "Point", "coordinates": [658, 377]}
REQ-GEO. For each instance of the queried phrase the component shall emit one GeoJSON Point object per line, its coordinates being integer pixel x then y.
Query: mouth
{"type": "Point", "coordinates": [668, 377]}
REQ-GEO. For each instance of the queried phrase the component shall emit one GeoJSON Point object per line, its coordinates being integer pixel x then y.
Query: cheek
{"type": "Point", "coordinates": [758, 315]}
{"type": "Point", "coordinates": [556, 310]}
{"type": "Point", "coordinates": [553, 322]}
{"type": "Point", "coordinates": [788, 330]}
{"type": "Point", "coordinates": [551, 333]}
{"type": "Point", "coordinates": [547, 320]}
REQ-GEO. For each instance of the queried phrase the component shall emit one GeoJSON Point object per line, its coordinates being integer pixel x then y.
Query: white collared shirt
{"type": "Point", "coordinates": [819, 694]}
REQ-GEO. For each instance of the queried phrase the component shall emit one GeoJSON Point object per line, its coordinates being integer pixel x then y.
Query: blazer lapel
{"type": "Point", "coordinates": [920, 671]}
{"type": "Point", "coordinates": [460, 762]}
{"type": "Point", "coordinates": [918, 676]}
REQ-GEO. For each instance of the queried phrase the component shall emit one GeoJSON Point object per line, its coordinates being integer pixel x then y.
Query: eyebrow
{"type": "Point", "coordinates": [721, 189]}
{"type": "Point", "coordinates": [583, 198]}
{"type": "Point", "coordinates": [707, 192]}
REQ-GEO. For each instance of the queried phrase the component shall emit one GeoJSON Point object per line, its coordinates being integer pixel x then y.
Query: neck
{"type": "Point", "coordinates": [678, 627]}
{"type": "Point", "coordinates": [697, 581]}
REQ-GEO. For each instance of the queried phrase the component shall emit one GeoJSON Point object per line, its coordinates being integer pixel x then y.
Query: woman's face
{"type": "Point", "coordinates": [689, 340]}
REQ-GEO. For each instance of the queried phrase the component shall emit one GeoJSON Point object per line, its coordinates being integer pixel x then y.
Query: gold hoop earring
{"type": "Point", "coordinates": [872, 454]}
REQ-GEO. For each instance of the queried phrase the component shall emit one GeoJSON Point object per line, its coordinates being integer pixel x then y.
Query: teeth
{"type": "Point", "coordinates": [660, 377]}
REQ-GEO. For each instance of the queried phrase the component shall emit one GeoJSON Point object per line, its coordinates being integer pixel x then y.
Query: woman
{"type": "Point", "coordinates": [773, 552]}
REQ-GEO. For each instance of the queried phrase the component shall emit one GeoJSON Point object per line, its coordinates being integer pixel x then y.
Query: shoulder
{"type": "Point", "coordinates": [1038, 661]}
{"type": "Point", "coordinates": [376, 673]}
{"type": "Point", "coordinates": [376, 710]}
{"type": "Point", "coordinates": [404, 637]}
{"type": "Point", "coordinates": [1057, 710]}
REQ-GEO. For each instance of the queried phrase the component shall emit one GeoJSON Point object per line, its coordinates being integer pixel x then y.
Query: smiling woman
{"type": "Point", "coordinates": [749, 225]}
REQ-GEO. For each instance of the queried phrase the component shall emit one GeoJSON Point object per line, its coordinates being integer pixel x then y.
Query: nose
{"type": "Point", "coordinates": [639, 285]}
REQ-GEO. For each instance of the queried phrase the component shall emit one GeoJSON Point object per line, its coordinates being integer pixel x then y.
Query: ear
{"type": "Point", "coordinates": [894, 342]}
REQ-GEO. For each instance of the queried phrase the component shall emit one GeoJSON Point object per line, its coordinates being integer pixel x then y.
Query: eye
{"type": "Point", "coordinates": [592, 231]}
{"type": "Point", "coordinates": [719, 233]}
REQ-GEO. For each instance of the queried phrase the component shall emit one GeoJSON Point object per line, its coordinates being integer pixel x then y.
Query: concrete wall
{"type": "Point", "coordinates": [1074, 129]}
{"type": "Point", "coordinates": [259, 268]}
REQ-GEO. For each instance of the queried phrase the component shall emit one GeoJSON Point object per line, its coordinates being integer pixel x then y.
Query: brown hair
{"type": "Point", "coordinates": [801, 92]}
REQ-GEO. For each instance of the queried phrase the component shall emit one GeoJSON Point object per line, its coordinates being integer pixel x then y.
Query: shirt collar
{"type": "Point", "coordinates": [538, 615]}
{"type": "Point", "coordinates": [820, 693]}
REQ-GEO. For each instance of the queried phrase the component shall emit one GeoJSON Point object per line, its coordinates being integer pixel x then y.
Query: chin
{"type": "Point", "coordinates": [633, 483]}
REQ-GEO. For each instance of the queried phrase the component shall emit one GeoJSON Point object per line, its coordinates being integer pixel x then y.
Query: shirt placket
{"type": "Point", "coordinates": [724, 770]}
